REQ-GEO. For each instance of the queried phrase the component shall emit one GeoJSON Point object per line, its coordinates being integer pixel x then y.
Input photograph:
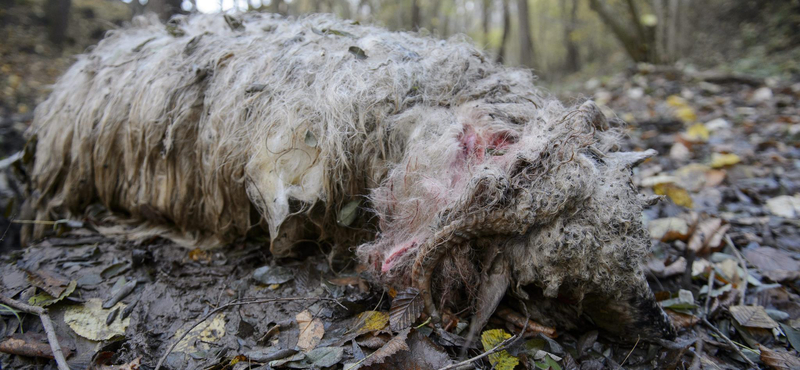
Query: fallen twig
{"type": "Point", "coordinates": [629, 353]}
{"type": "Point", "coordinates": [233, 303]}
{"type": "Point", "coordinates": [730, 342]}
{"type": "Point", "coordinates": [502, 346]}
{"type": "Point", "coordinates": [743, 286]}
{"type": "Point", "coordinates": [58, 355]}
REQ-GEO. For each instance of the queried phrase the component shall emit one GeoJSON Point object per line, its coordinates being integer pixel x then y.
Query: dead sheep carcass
{"type": "Point", "coordinates": [468, 180]}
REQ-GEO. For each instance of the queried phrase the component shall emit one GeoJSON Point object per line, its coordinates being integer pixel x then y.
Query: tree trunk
{"type": "Point", "coordinates": [525, 44]}
{"type": "Point", "coordinates": [506, 30]}
{"type": "Point", "coordinates": [165, 9]}
{"type": "Point", "coordinates": [415, 15]}
{"type": "Point", "coordinates": [275, 6]}
{"type": "Point", "coordinates": [633, 45]}
{"type": "Point", "coordinates": [57, 14]}
{"type": "Point", "coordinates": [573, 57]}
{"type": "Point", "coordinates": [486, 21]}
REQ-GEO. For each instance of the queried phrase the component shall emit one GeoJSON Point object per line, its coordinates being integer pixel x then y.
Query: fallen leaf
{"type": "Point", "coordinates": [395, 345]}
{"type": "Point", "coordinates": [684, 301]}
{"type": "Point", "coordinates": [697, 133]}
{"type": "Point", "coordinates": [89, 320]}
{"type": "Point", "coordinates": [715, 178]}
{"type": "Point", "coordinates": [406, 308]}
{"type": "Point", "coordinates": [682, 320]}
{"type": "Point", "coordinates": [785, 206]}
{"type": "Point", "coordinates": [775, 264]}
{"type": "Point", "coordinates": [708, 234]}
{"type": "Point", "coordinates": [48, 281]}
{"type": "Point", "coordinates": [668, 229]}
{"type": "Point", "coordinates": [370, 321]}
{"type": "Point", "coordinates": [133, 365]}
{"type": "Point", "coordinates": [501, 360]}
{"type": "Point", "coordinates": [779, 360]}
{"type": "Point", "coordinates": [677, 194]}
{"type": "Point", "coordinates": [208, 331]}
{"type": "Point", "coordinates": [311, 331]}
{"type": "Point", "coordinates": [358, 52]}
{"type": "Point", "coordinates": [43, 299]}
{"type": "Point", "coordinates": [723, 160]}
{"type": "Point", "coordinates": [269, 275]}
{"type": "Point", "coordinates": [753, 317]}
{"type": "Point", "coordinates": [348, 213]}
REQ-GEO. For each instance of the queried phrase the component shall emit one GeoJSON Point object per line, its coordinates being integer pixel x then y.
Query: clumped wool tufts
{"type": "Point", "coordinates": [467, 177]}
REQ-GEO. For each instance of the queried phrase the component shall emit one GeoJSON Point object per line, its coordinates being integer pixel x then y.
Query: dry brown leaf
{"type": "Point", "coordinates": [708, 234]}
{"type": "Point", "coordinates": [406, 308]}
{"type": "Point", "coordinates": [715, 178]}
{"type": "Point", "coordinates": [311, 331]}
{"type": "Point", "coordinates": [51, 282]}
{"type": "Point", "coordinates": [133, 365]}
{"type": "Point", "coordinates": [775, 264]}
{"type": "Point", "coordinates": [668, 229]}
{"type": "Point", "coordinates": [779, 360]}
{"type": "Point", "coordinates": [396, 344]}
{"type": "Point", "coordinates": [753, 317]}
{"type": "Point", "coordinates": [682, 320]}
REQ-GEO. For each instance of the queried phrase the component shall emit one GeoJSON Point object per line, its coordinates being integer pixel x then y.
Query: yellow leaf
{"type": "Point", "coordinates": [698, 133]}
{"type": "Point", "coordinates": [500, 360]}
{"type": "Point", "coordinates": [686, 114]}
{"type": "Point", "coordinates": [721, 160]}
{"type": "Point", "coordinates": [677, 194]}
{"type": "Point", "coordinates": [369, 321]}
{"type": "Point", "coordinates": [676, 101]}
{"type": "Point", "coordinates": [89, 320]}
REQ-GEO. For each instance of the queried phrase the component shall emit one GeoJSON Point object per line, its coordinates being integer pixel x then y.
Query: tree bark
{"type": "Point", "coordinates": [506, 29]}
{"type": "Point", "coordinates": [415, 15]}
{"type": "Point", "coordinates": [573, 57]}
{"type": "Point", "coordinates": [525, 43]}
{"type": "Point", "coordinates": [165, 9]}
{"type": "Point", "coordinates": [275, 6]}
{"type": "Point", "coordinates": [57, 14]}
{"type": "Point", "coordinates": [631, 44]}
{"type": "Point", "coordinates": [486, 21]}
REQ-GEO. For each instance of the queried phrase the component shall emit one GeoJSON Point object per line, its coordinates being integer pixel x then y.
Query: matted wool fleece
{"type": "Point", "coordinates": [210, 126]}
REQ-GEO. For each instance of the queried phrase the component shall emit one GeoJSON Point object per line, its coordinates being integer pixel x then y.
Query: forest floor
{"type": "Point", "coordinates": [725, 262]}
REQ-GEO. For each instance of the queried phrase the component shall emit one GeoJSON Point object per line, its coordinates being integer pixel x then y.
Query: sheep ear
{"type": "Point", "coordinates": [592, 114]}
{"type": "Point", "coordinates": [492, 289]}
{"type": "Point", "coordinates": [632, 159]}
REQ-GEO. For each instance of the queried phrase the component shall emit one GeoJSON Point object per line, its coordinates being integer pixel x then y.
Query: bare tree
{"type": "Point", "coordinates": [415, 15]}
{"type": "Point", "coordinates": [525, 43]}
{"type": "Point", "coordinates": [486, 21]}
{"type": "Point", "coordinates": [57, 14]}
{"type": "Point", "coordinates": [506, 30]}
{"type": "Point", "coordinates": [275, 6]}
{"type": "Point", "coordinates": [164, 8]}
{"type": "Point", "coordinates": [639, 43]}
{"type": "Point", "coordinates": [570, 21]}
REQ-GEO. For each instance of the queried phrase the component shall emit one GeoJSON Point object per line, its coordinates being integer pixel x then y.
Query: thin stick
{"type": "Point", "coordinates": [58, 355]}
{"type": "Point", "coordinates": [224, 307]}
{"type": "Point", "coordinates": [743, 287]}
{"type": "Point", "coordinates": [502, 346]}
{"type": "Point", "coordinates": [629, 353]}
{"type": "Point", "coordinates": [730, 342]}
